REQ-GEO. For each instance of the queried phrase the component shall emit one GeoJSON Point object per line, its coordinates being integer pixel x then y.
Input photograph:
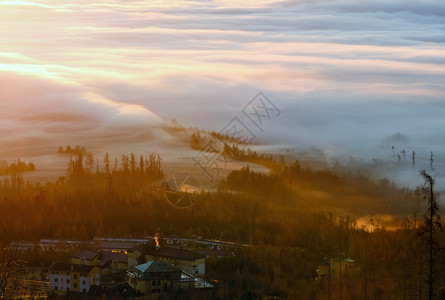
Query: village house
{"type": "Point", "coordinates": [187, 260]}
{"type": "Point", "coordinates": [86, 269]}
{"type": "Point", "coordinates": [87, 257]}
{"type": "Point", "coordinates": [155, 277]}
{"type": "Point", "coordinates": [336, 267]}
{"type": "Point", "coordinates": [65, 278]}
{"type": "Point", "coordinates": [109, 263]}
{"type": "Point", "coordinates": [113, 263]}
{"type": "Point", "coordinates": [22, 246]}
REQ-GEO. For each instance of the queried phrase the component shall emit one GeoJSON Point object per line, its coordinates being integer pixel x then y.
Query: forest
{"type": "Point", "coordinates": [293, 218]}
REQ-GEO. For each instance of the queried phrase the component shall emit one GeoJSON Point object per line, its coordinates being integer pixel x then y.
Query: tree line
{"type": "Point", "coordinates": [130, 169]}
{"type": "Point", "coordinates": [72, 150]}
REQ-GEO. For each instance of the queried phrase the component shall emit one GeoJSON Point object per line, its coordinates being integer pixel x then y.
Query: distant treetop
{"type": "Point", "coordinates": [17, 166]}
{"type": "Point", "coordinates": [70, 150]}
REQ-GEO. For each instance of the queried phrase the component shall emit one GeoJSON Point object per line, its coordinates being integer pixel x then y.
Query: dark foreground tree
{"type": "Point", "coordinates": [431, 226]}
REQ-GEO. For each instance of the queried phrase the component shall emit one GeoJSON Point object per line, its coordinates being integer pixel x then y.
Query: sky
{"type": "Point", "coordinates": [346, 75]}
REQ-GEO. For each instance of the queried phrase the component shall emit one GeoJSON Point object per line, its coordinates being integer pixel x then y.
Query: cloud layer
{"type": "Point", "coordinates": [345, 73]}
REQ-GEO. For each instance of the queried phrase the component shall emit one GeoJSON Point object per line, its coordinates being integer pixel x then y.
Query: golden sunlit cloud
{"type": "Point", "coordinates": [23, 3]}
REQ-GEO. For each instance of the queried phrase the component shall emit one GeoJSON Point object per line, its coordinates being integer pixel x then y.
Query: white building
{"type": "Point", "coordinates": [64, 278]}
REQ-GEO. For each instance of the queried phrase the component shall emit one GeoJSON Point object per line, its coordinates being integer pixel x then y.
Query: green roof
{"type": "Point", "coordinates": [156, 266]}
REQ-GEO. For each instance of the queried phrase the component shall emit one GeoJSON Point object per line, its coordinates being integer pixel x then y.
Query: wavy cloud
{"type": "Point", "coordinates": [346, 72]}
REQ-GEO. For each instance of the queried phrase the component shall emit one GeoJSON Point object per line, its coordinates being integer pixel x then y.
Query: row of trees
{"type": "Point", "coordinates": [129, 167]}
{"type": "Point", "coordinates": [72, 150]}
{"type": "Point", "coordinates": [17, 166]}
{"type": "Point", "coordinates": [212, 141]}
{"type": "Point", "coordinates": [236, 152]}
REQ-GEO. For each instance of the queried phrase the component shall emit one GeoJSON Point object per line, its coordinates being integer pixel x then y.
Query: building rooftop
{"type": "Point", "coordinates": [156, 266]}
{"type": "Point", "coordinates": [337, 259]}
{"type": "Point", "coordinates": [217, 253]}
{"type": "Point", "coordinates": [70, 267]}
{"type": "Point", "coordinates": [175, 253]}
{"type": "Point", "coordinates": [116, 245]}
{"type": "Point", "coordinates": [21, 245]}
{"type": "Point", "coordinates": [106, 257]}
{"type": "Point", "coordinates": [86, 254]}
{"type": "Point", "coordinates": [125, 240]}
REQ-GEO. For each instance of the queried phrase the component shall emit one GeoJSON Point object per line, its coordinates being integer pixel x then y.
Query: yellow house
{"type": "Point", "coordinates": [113, 263]}
{"type": "Point", "coordinates": [64, 278]}
{"type": "Point", "coordinates": [187, 260]}
{"type": "Point", "coordinates": [337, 266]}
{"type": "Point", "coordinates": [153, 277]}
{"type": "Point", "coordinates": [108, 262]}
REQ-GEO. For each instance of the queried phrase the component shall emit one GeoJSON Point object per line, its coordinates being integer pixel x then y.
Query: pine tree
{"type": "Point", "coordinates": [431, 226]}
{"type": "Point", "coordinates": [89, 161]}
{"type": "Point", "coordinates": [132, 163]}
{"type": "Point", "coordinates": [107, 163]}
{"type": "Point", "coordinates": [124, 162]}
{"type": "Point", "coordinates": [141, 165]}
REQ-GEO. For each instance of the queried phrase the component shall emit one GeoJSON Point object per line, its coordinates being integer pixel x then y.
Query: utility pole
{"type": "Point", "coordinates": [366, 267]}
{"type": "Point", "coordinates": [404, 267]}
{"type": "Point", "coordinates": [329, 273]}
{"type": "Point", "coordinates": [431, 160]}
{"type": "Point", "coordinates": [339, 247]}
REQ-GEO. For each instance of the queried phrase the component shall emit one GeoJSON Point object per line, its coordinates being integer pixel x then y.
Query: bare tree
{"type": "Point", "coordinates": [10, 268]}
{"type": "Point", "coordinates": [431, 160]}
